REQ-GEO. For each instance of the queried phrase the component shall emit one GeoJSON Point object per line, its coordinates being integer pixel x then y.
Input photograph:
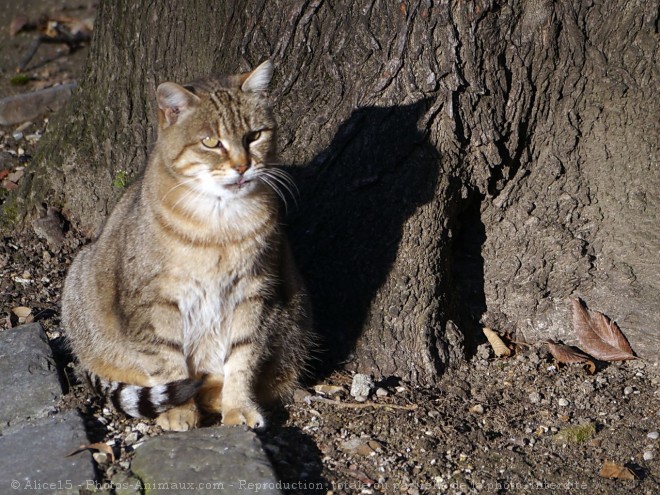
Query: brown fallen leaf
{"type": "Point", "coordinates": [324, 389]}
{"type": "Point", "coordinates": [99, 446]}
{"type": "Point", "coordinates": [598, 335]}
{"type": "Point", "coordinates": [9, 185]}
{"type": "Point", "coordinates": [567, 355]}
{"type": "Point", "coordinates": [496, 343]}
{"type": "Point", "coordinates": [18, 23]}
{"type": "Point", "coordinates": [21, 311]}
{"type": "Point", "coordinates": [611, 469]}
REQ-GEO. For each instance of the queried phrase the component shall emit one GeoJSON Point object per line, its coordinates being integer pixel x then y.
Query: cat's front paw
{"type": "Point", "coordinates": [182, 418]}
{"type": "Point", "coordinates": [249, 416]}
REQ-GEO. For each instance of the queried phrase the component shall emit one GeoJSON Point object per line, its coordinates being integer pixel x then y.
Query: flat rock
{"type": "Point", "coordinates": [28, 377]}
{"type": "Point", "coordinates": [207, 460]}
{"type": "Point", "coordinates": [34, 458]}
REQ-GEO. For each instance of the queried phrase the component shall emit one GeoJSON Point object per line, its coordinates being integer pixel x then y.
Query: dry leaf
{"type": "Point", "coordinates": [497, 343]}
{"type": "Point", "coordinates": [17, 24]}
{"type": "Point", "coordinates": [613, 470]}
{"type": "Point", "coordinates": [328, 389]}
{"type": "Point", "coordinates": [99, 446]}
{"type": "Point", "coordinates": [21, 311]}
{"type": "Point", "coordinates": [598, 335]}
{"type": "Point", "coordinates": [567, 355]}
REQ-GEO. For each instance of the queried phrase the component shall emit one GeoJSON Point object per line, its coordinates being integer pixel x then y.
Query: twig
{"type": "Point", "coordinates": [73, 41]}
{"type": "Point", "coordinates": [361, 405]}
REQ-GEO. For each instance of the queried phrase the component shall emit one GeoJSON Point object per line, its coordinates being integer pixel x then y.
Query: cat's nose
{"type": "Point", "coordinates": [241, 167]}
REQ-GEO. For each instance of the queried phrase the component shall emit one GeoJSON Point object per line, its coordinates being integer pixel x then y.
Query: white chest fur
{"type": "Point", "coordinates": [206, 315]}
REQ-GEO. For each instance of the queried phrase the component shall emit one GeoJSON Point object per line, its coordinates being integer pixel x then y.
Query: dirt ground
{"type": "Point", "coordinates": [516, 425]}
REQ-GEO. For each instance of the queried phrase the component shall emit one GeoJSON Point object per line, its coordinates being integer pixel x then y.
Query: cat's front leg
{"type": "Point", "coordinates": [240, 369]}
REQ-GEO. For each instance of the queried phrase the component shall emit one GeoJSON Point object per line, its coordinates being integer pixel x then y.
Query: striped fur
{"type": "Point", "coordinates": [145, 402]}
{"type": "Point", "coordinates": [192, 276]}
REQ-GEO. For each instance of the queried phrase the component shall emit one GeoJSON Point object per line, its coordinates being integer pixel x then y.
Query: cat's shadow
{"type": "Point", "coordinates": [355, 197]}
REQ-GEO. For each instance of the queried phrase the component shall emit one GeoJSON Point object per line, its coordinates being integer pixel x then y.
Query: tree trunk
{"type": "Point", "coordinates": [459, 163]}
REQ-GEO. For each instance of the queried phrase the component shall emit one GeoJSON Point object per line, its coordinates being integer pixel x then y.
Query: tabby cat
{"type": "Point", "coordinates": [189, 301]}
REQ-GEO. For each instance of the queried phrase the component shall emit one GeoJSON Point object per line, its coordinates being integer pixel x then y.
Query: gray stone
{"type": "Point", "coordinates": [36, 459]}
{"type": "Point", "coordinates": [125, 484]}
{"type": "Point", "coordinates": [28, 378]}
{"type": "Point", "coordinates": [381, 392]}
{"type": "Point", "coordinates": [361, 387]}
{"type": "Point", "coordinates": [207, 460]}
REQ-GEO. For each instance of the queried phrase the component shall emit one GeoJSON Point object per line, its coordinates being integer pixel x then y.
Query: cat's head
{"type": "Point", "coordinates": [218, 135]}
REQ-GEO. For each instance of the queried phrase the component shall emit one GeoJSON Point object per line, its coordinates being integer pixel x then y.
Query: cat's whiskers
{"type": "Point", "coordinates": [286, 177]}
{"type": "Point", "coordinates": [183, 183]}
{"type": "Point", "coordinates": [185, 196]}
{"type": "Point", "coordinates": [274, 180]}
{"type": "Point", "coordinates": [274, 187]}
{"type": "Point", "coordinates": [283, 184]}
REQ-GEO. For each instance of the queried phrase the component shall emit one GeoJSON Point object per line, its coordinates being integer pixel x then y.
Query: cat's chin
{"type": "Point", "coordinates": [240, 186]}
{"type": "Point", "coordinates": [227, 190]}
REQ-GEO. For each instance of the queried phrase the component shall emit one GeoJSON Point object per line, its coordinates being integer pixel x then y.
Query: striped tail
{"type": "Point", "coordinates": [145, 402]}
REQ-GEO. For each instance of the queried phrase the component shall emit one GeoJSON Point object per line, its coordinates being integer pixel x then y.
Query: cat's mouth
{"type": "Point", "coordinates": [240, 183]}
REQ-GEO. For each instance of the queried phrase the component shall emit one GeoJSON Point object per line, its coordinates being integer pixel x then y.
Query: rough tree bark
{"type": "Point", "coordinates": [458, 163]}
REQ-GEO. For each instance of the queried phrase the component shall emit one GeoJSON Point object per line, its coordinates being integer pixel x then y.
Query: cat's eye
{"type": "Point", "coordinates": [252, 137]}
{"type": "Point", "coordinates": [211, 142]}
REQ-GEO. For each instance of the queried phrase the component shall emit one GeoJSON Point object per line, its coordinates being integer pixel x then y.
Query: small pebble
{"type": "Point", "coordinates": [648, 455]}
{"type": "Point", "coordinates": [562, 402]}
{"type": "Point", "coordinates": [477, 409]}
{"type": "Point", "coordinates": [381, 392]}
{"type": "Point", "coordinates": [653, 435]}
{"type": "Point", "coordinates": [361, 387]}
{"type": "Point", "coordinates": [587, 387]}
{"type": "Point", "coordinates": [628, 390]}
{"type": "Point", "coordinates": [131, 438]}
{"type": "Point", "coordinates": [637, 363]}
{"type": "Point", "coordinates": [17, 136]}
{"type": "Point", "coordinates": [535, 397]}
{"type": "Point", "coordinates": [142, 428]}
{"type": "Point", "coordinates": [484, 351]}
{"type": "Point", "coordinates": [101, 457]}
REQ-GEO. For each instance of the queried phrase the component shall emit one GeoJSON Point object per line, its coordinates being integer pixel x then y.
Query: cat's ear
{"type": "Point", "coordinates": [258, 80]}
{"type": "Point", "coordinates": [174, 102]}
